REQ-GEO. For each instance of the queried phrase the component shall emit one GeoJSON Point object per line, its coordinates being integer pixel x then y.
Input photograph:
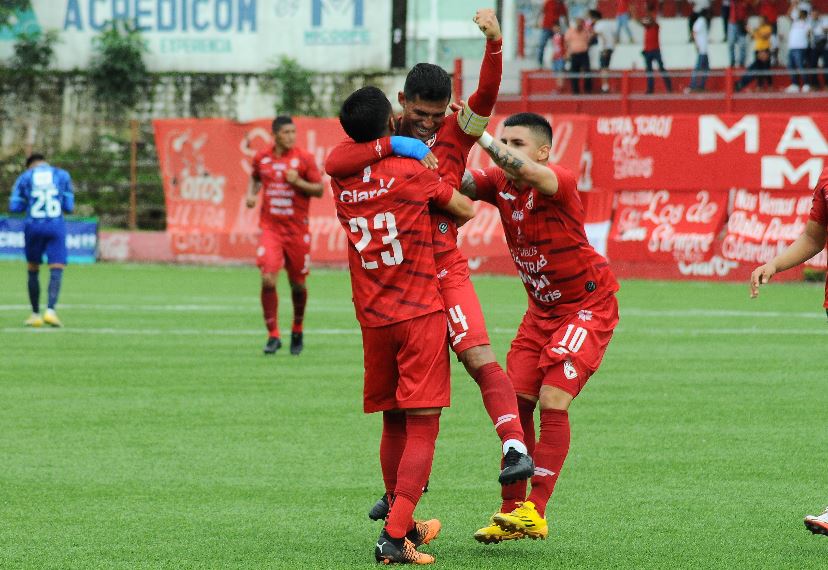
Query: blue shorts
{"type": "Point", "coordinates": [46, 238]}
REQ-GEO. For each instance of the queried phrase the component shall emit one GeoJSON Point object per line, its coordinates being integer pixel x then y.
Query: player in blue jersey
{"type": "Point", "coordinates": [44, 192]}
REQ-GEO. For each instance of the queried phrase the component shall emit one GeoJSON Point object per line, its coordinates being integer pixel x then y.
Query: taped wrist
{"type": "Point", "coordinates": [471, 123]}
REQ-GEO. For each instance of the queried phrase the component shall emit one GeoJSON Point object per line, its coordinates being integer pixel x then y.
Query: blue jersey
{"type": "Point", "coordinates": [44, 192]}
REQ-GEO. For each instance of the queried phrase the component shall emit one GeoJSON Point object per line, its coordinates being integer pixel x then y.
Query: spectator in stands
{"type": "Point", "coordinates": [699, 7]}
{"type": "Point", "coordinates": [768, 9]}
{"type": "Point", "coordinates": [798, 41]}
{"type": "Point", "coordinates": [558, 55]}
{"type": "Point", "coordinates": [701, 38]}
{"type": "Point", "coordinates": [725, 16]}
{"type": "Point", "coordinates": [737, 32]}
{"type": "Point", "coordinates": [552, 13]}
{"type": "Point", "coordinates": [762, 35]}
{"type": "Point", "coordinates": [622, 19]}
{"type": "Point", "coordinates": [604, 32]}
{"type": "Point", "coordinates": [652, 50]}
{"type": "Point", "coordinates": [819, 53]}
{"type": "Point", "coordinates": [577, 47]}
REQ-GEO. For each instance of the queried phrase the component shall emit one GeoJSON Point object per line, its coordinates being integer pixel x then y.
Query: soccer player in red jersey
{"type": "Point", "coordinates": [383, 210]}
{"type": "Point", "coordinates": [813, 240]}
{"type": "Point", "coordinates": [290, 178]}
{"type": "Point", "coordinates": [424, 100]}
{"type": "Point", "coordinates": [572, 306]}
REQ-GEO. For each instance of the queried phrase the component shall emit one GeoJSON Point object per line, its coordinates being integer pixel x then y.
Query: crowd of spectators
{"type": "Point", "coordinates": [574, 28]}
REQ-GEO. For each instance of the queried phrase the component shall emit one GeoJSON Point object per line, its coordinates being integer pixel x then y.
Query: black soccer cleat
{"type": "Point", "coordinates": [517, 466]}
{"type": "Point", "coordinates": [399, 551]}
{"type": "Point", "coordinates": [274, 343]}
{"type": "Point", "coordinates": [380, 509]}
{"type": "Point", "coordinates": [296, 343]}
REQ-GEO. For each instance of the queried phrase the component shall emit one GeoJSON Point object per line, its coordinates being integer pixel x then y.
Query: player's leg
{"type": "Point", "coordinates": [423, 389]}
{"type": "Point", "coordinates": [297, 263]}
{"type": "Point", "coordinates": [35, 247]}
{"type": "Point", "coordinates": [270, 259]}
{"type": "Point", "coordinates": [522, 368]}
{"type": "Point", "coordinates": [818, 524]}
{"type": "Point", "coordinates": [57, 255]}
{"type": "Point", "coordinates": [571, 355]}
{"type": "Point", "coordinates": [470, 341]}
{"type": "Point", "coordinates": [33, 284]}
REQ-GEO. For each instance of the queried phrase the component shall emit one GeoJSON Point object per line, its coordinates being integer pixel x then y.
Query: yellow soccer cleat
{"type": "Point", "coordinates": [51, 318]}
{"type": "Point", "coordinates": [493, 534]}
{"type": "Point", "coordinates": [34, 321]}
{"type": "Point", "coordinates": [524, 519]}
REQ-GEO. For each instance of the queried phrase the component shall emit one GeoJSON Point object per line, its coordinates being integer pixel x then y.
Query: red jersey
{"type": "Point", "coordinates": [552, 12]}
{"type": "Point", "coordinates": [384, 211]}
{"type": "Point", "coordinates": [545, 234]}
{"type": "Point", "coordinates": [738, 12]}
{"type": "Point", "coordinates": [449, 144]}
{"type": "Point", "coordinates": [819, 212]}
{"type": "Point", "coordinates": [622, 7]}
{"type": "Point", "coordinates": [283, 207]}
{"type": "Point", "coordinates": [651, 36]}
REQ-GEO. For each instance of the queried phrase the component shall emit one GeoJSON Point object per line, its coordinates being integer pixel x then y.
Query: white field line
{"type": "Point", "coordinates": [347, 308]}
{"type": "Point", "coordinates": [356, 331]}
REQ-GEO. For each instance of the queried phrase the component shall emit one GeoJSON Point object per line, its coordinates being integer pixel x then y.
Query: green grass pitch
{"type": "Point", "coordinates": [152, 433]}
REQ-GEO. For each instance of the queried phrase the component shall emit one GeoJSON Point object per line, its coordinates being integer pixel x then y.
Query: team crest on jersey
{"type": "Point", "coordinates": [430, 142]}
{"type": "Point", "coordinates": [443, 227]}
{"type": "Point", "coordinates": [569, 370]}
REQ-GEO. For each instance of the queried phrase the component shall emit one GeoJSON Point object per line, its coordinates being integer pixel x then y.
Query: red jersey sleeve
{"type": "Point", "coordinates": [438, 192]}
{"type": "Point", "coordinates": [257, 161]}
{"type": "Point", "coordinates": [819, 207]}
{"type": "Point", "coordinates": [349, 157]}
{"type": "Point", "coordinates": [486, 182]}
{"type": "Point", "coordinates": [567, 183]}
{"type": "Point", "coordinates": [311, 173]}
{"type": "Point", "coordinates": [483, 100]}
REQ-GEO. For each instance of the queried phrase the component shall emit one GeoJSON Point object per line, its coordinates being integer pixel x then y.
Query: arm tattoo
{"type": "Point", "coordinates": [503, 158]}
{"type": "Point", "coordinates": [467, 185]}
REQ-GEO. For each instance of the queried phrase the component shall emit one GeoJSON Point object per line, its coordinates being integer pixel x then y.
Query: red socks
{"type": "Point", "coordinates": [516, 492]}
{"type": "Point", "coordinates": [499, 400]}
{"type": "Point", "coordinates": [300, 299]}
{"type": "Point", "coordinates": [413, 471]}
{"type": "Point", "coordinates": [270, 308]}
{"type": "Point", "coordinates": [549, 456]}
{"type": "Point", "coordinates": [392, 445]}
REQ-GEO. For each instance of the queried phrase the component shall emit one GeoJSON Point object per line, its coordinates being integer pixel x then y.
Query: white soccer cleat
{"type": "Point", "coordinates": [792, 88]}
{"type": "Point", "coordinates": [818, 524]}
{"type": "Point", "coordinates": [34, 321]}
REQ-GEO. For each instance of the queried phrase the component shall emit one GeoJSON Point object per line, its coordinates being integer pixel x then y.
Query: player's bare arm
{"type": "Point", "coordinates": [253, 186]}
{"type": "Point", "coordinates": [460, 207]}
{"type": "Point", "coordinates": [507, 155]}
{"type": "Point", "coordinates": [314, 189]}
{"type": "Point", "coordinates": [804, 248]}
{"type": "Point", "coordinates": [468, 186]}
{"type": "Point", "coordinates": [486, 20]}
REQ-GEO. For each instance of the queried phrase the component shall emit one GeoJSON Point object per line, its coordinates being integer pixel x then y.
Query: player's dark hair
{"type": "Point", "coordinates": [364, 114]}
{"type": "Point", "coordinates": [280, 122]}
{"type": "Point", "coordinates": [533, 122]}
{"type": "Point", "coordinates": [34, 157]}
{"type": "Point", "coordinates": [595, 14]}
{"type": "Point", "coordinates": [428, 82]}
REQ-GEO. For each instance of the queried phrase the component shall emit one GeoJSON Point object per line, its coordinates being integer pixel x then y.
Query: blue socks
{"type": "Point", "coordinates": [55, 276]}
{"type": "Point", "coordinates": [34, 291]}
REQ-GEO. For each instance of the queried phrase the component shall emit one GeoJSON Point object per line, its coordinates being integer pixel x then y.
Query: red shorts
{"type": "Point", "coordinates": [276, 251]}
{"type": "Point", "coordinates": [562, 352]}
{"type": "Point", "coordinates": [467, 327]}
{"type": "Point", "coordinates": [407, 365]}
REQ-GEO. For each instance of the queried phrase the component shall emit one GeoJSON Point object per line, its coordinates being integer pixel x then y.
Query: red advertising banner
{"type": "Point", "coordinates": [205, 166]}
{"type": "Point", "coordinates": [715, 152]}
{"type": "Point", "coordinates": [665, 233]}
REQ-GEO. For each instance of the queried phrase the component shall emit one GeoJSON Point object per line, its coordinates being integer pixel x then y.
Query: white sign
{"type": "Point", "coordinates": [222, 35]}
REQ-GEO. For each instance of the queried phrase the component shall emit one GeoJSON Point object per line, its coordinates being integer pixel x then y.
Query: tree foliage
{"type": "Point", "coordinates": [117, 71]}
{"type": "Point", "coordinates": [8, 8]}
{"type": "Point", "coordinates": [293, 85]}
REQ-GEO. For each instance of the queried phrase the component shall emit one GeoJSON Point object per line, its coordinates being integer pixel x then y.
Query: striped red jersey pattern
{"type": "Point", "coordinates": [384, 211]}
{"type": "Point", "coordinates": [545, 234]}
